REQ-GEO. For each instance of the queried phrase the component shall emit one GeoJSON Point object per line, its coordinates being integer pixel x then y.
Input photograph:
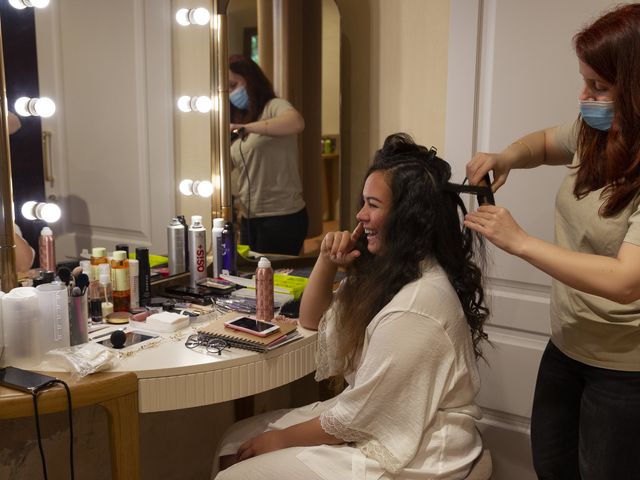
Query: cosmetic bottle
{"type": "Point", "coordinates": [120, 281]}
{"type": "Point", "coordinates": [183, 221]}
{"type": "Point", "coordinates": [95, 310]}
{"type": "Point", "coordinates": [228, 249]}
{"type": "Point", "coordinates": [46, 248]}
{"type": "Point", "coordinates": [264, 290]}
{"type": "Point", "coordinates": [98, 257]}
{"type": "Point", "coordinates": [197, 250]}
{"type": "Point", "coordinates": [144, 276]}
{"type": "Point", "coordinates": [134, 289]}
{"type": "Point", "coordinates": [106, 294]}
{"type": "Point", "coordinates": [124, 247]}
{"type": "Point", "coordinates": [175, 242]}
{"type": "Point", "coordinates": [216, 246]}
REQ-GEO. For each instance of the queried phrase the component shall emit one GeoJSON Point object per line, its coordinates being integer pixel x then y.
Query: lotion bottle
{"type": "Point", "coordinates": [120, 281]}
{"type": "Point", "coordinates": [264, 290]}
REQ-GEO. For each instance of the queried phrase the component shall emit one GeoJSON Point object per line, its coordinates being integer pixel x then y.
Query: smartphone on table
{"type": "Point", "coordinates": [253, 326]}
{"type": "Point", "coordinates": [24, 380]}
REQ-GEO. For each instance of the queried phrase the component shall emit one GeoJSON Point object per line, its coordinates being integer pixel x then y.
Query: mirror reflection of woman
{"type": "Point", "coordinates": [264, 153]}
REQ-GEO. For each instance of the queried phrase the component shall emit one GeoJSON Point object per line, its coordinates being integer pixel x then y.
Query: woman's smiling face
{"type": "Point", "coordinates": [373, 214]}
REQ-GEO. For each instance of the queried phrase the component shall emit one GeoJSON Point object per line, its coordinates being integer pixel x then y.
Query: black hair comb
{"type": "Point", "coordinates": [482, 192]}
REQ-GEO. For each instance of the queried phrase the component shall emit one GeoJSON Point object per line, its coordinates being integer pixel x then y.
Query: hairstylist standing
{"type": "Point", "coordinates": [586, 410]}
{"type": "Point", "coordinates": [265, 158]}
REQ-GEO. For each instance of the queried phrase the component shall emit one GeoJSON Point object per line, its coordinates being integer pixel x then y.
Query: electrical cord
{"type": "Point", "coordinates": [34, 394]}
{"type": "Point", "coordinates": [246, 173]}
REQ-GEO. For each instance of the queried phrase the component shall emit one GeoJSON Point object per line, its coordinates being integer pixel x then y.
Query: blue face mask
{"type": "Point", "coordinates": [598, 115]}
{"type": "Point", "coordinates": [239, 98]}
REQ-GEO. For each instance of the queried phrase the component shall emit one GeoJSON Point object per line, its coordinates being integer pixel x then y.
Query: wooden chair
{"type": "Point", "coordinates": [482, 467]}
{"type": "Point", "coordinates": [117, 393]}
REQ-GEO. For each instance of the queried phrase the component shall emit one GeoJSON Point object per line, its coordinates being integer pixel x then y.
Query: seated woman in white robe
{"type": "Point", "coordinates": [404, 329]}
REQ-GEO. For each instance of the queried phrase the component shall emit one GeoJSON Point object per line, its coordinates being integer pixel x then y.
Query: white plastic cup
{"type": "Point", "coordinates": [20, 315]}
{"type": "Point", "coordinates": [53, 300]}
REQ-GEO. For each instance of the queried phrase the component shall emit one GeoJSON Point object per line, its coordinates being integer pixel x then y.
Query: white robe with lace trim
{"type": "Point", "coordinates": [409, 408]}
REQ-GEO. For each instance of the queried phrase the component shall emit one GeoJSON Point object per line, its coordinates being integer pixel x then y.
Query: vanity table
{"type": "Point", "coordinates": [173, 377]}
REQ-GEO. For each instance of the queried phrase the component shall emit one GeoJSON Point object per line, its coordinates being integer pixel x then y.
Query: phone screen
{"type": "Point", "coordinates": [23, 380]}
{"type": "Point", "coordinates": [252, 324]}
{"type": "Point", "coordinates": [132, 339]}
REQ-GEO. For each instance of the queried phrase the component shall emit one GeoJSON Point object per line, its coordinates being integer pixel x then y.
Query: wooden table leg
{"type": "Point", "coordinates": [124, 436]}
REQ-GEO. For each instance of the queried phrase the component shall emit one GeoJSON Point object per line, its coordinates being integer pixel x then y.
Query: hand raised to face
{"type": "Point", "coordinates": [340, 247]}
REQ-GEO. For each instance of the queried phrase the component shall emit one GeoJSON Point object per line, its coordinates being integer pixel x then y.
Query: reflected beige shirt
{"type": "Point", "coordinates": [589, 328]}
{"type": "Point", "coordinates": [266, 174]}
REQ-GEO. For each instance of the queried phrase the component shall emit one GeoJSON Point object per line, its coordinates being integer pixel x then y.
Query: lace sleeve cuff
{"type": "Point", "coordinates": [367, 445]}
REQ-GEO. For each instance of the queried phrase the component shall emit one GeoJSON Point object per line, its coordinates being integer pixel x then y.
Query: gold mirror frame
{"type": "Point", "coordinates": [8, 275]}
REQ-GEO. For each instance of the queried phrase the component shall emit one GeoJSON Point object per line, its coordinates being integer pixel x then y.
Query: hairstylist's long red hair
{"type": "Point", "coordinates": [611, 47]}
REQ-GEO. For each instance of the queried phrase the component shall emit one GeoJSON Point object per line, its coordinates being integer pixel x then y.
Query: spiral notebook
{"type": "Point", "coordinates": [216, 329]}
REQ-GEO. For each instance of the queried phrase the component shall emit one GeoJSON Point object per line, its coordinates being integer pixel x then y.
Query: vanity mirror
{"type": "Point", "coordinates": [118, 146]}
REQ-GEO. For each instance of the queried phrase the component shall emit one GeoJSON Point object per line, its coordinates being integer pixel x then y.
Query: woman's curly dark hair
{"type": "Point", "coordinates": [425, 221]}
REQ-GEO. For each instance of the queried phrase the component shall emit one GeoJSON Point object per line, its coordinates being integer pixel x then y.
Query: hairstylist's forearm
{"type": "Point", "coordinates": [616, 279]}
{"type": "Point", "coordinates": [287, 123]}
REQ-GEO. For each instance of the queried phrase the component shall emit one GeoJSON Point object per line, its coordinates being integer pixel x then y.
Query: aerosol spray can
{"type": "Point", "coordinates": [264, 290]}
{"type": "Point", "coordinates": [216, 245]}
{"type": "Point", "coordinates": [183, 221]}
{"type": "Point", "coordinates": [46, 248]}
{"type": "Point", "coordinates": [228, 249]}
{"type": "Point", "coordinates": [198, 250]}
{"type": "Point", "coordinates": [175, 242]}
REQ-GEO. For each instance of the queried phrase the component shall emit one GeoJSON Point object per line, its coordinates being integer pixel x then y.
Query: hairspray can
{"type": "Point", "coordinates": [197, 247]}
{"type": "Point", "coordinates": [264, 290]}
{"type": "Point", "coordinates": [46, 248]}
{"type": "Point", "coordinates": [216, 246]}
{"type": "Point", "coordinates": [175, 242]}
{"type": "Point", "coordinates": [228, 249]}
{"type": "Point", "coordinates": [144, 276]}
{"type": "Point", "coordinates": [183, 221]}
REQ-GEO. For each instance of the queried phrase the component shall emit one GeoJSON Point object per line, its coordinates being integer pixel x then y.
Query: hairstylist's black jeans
{"type": "Point", "coordinates": [283, 234]}
{"type": "Point", "coordinates": [585, 423]}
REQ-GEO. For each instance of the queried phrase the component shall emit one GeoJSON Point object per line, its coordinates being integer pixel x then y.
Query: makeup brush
{"type": "Point", "coordinates": [83, 282]}
{"type": "Point", "coordinates": [64, 274]}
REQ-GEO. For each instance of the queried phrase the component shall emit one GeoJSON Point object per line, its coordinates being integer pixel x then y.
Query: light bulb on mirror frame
{"type": "Point", "coordinates": [21, 105]}
{"type": "Point", "coordinates": [37, 3]}
{"type": "Point", "coordinates": [202, 104]}
{"type": "Point", "coordinates": [195, 16]}
{"type": "Point", "coordinates": [199, 16]}
{"type": "Point", "coordinates": [203, 188]}
{"type": "Point", "coordinates": [46, 211]}
{"type": "Point", "coordinates": [17, 4]}
{"type": "Point", "coordinates": [43, 107]}
{"type": "Point", "coordinates": [185, 187]}
{"type": "Point", "coordinates": [184, 103]}
{"type": "Point", "coordinates": [182, 17]}
{"type": "Point", "coordinates": [27, 209]}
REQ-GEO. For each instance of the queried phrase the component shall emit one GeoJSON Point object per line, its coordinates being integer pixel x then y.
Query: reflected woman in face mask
{"type": "Point", "coordinates": [586, 408]}
{"type": "Point", "coordinates": [264, 155]}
